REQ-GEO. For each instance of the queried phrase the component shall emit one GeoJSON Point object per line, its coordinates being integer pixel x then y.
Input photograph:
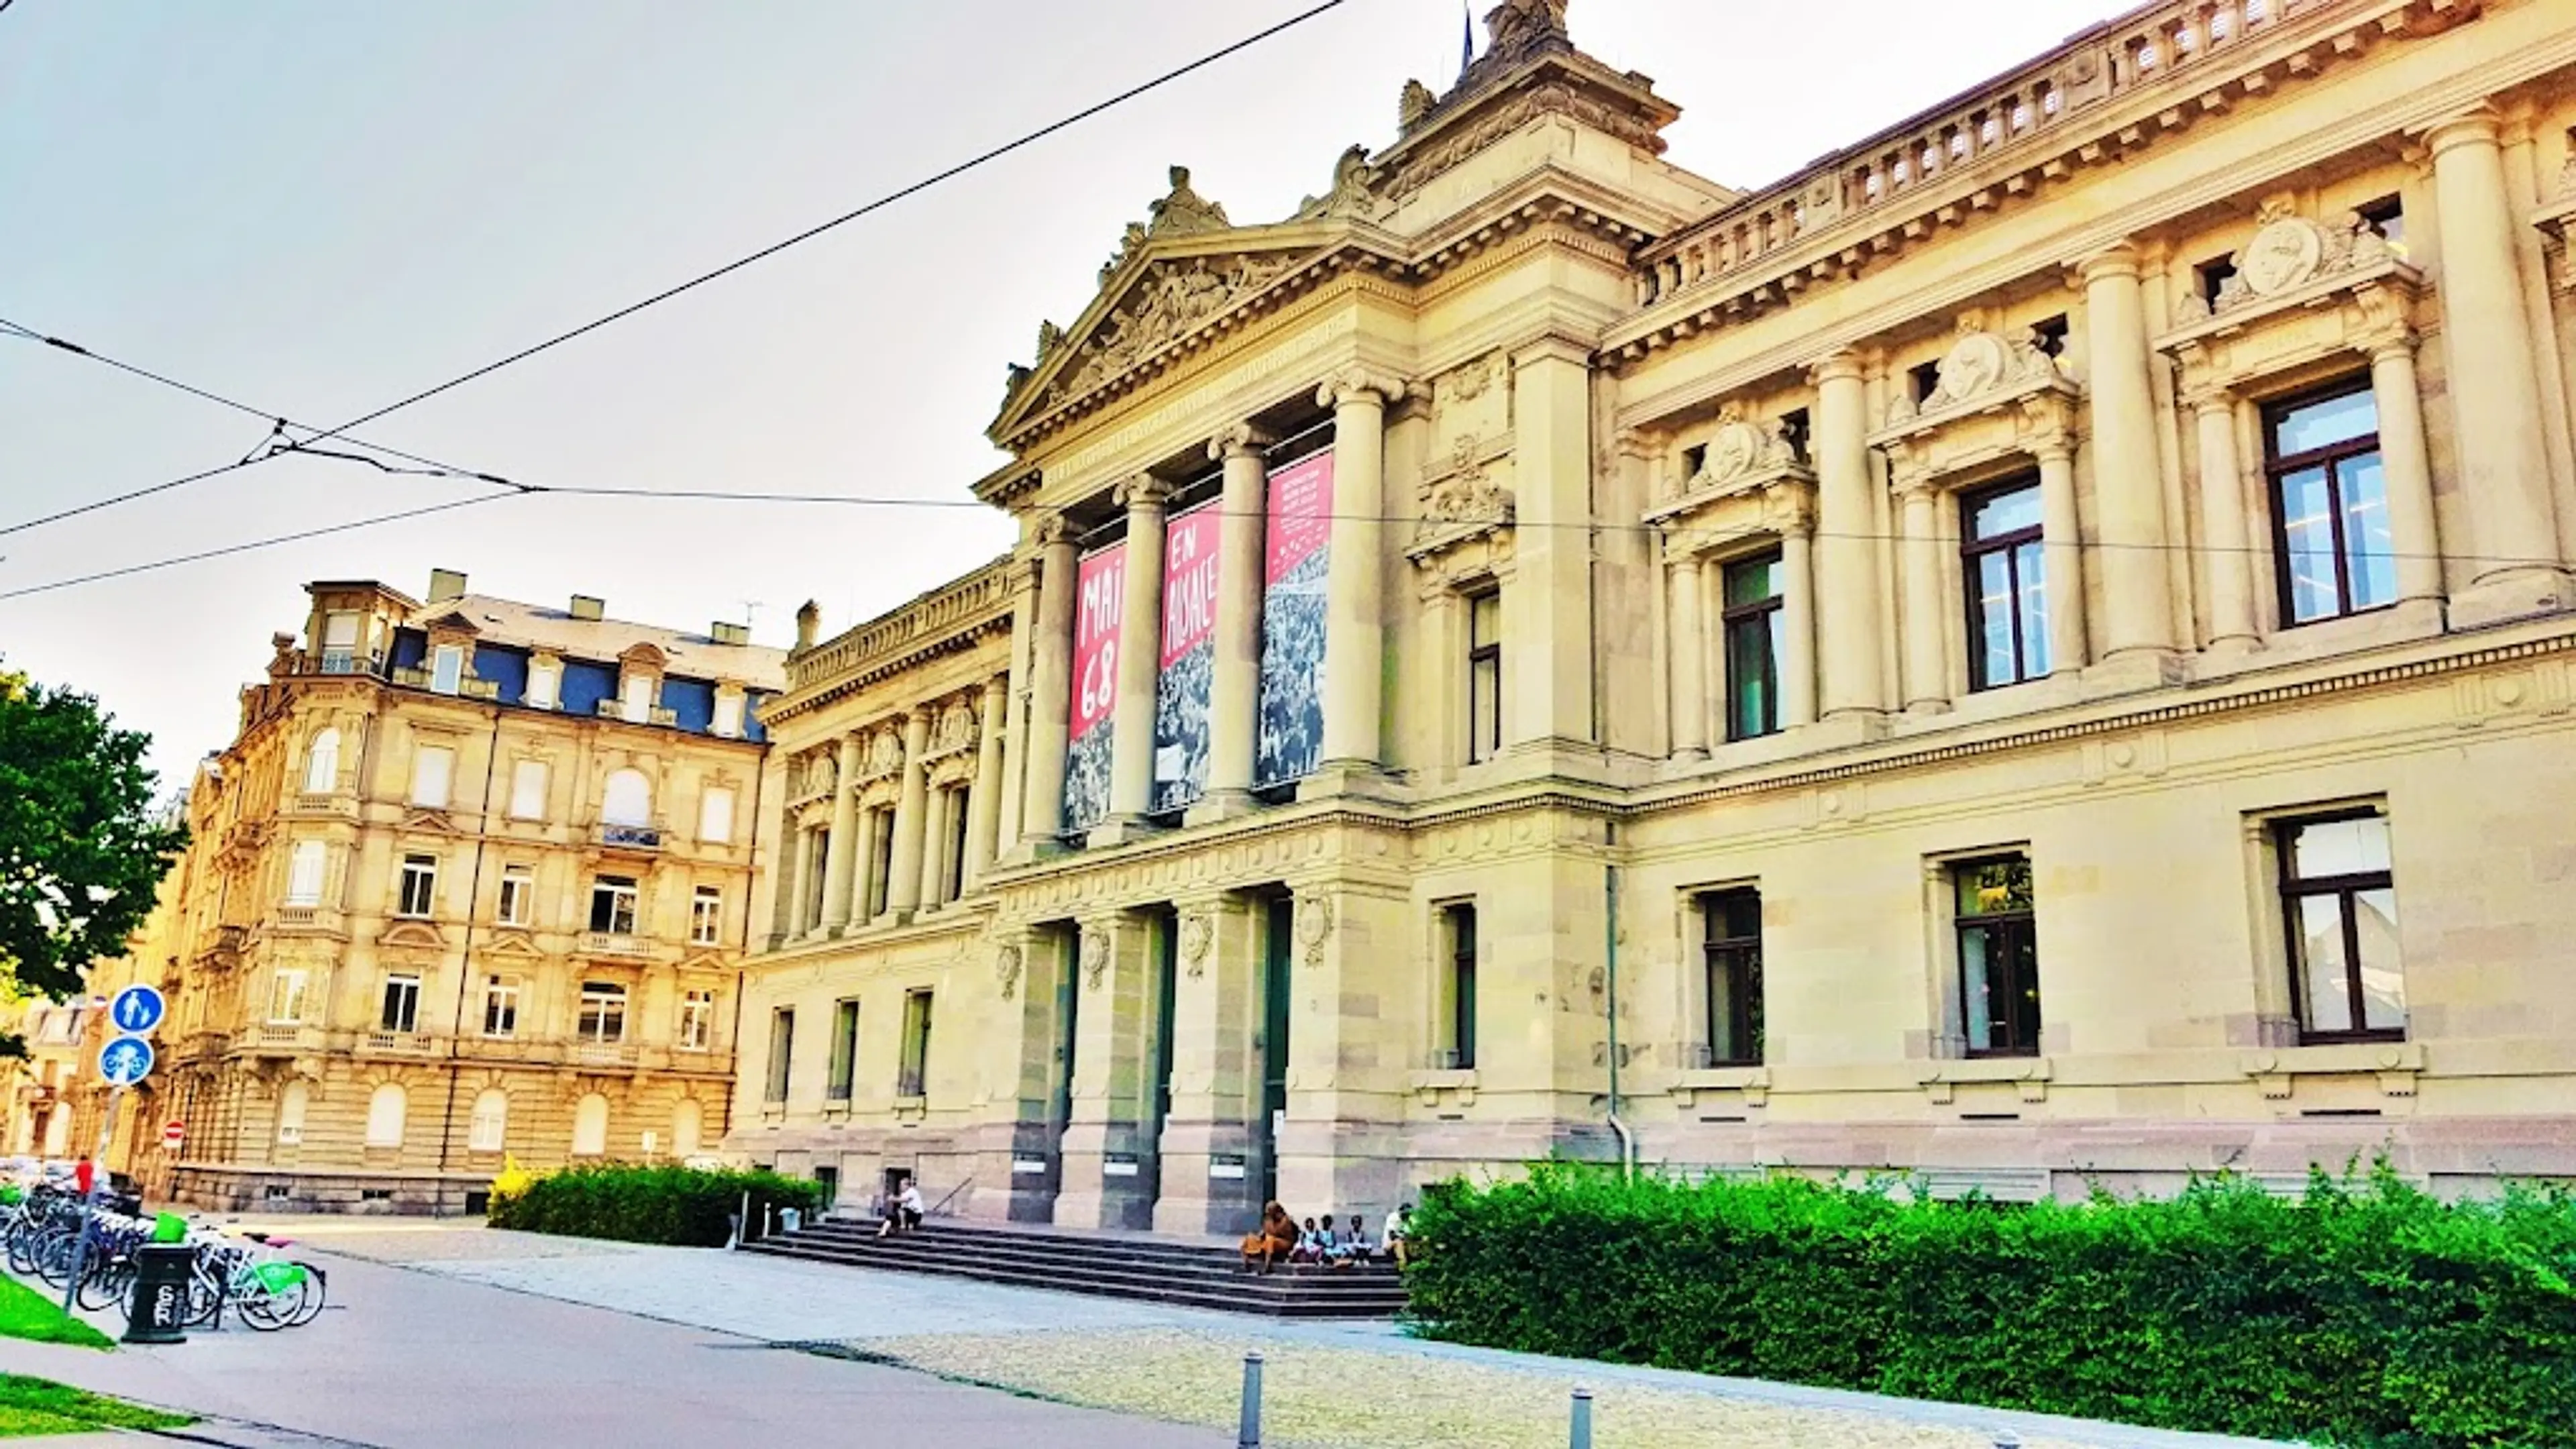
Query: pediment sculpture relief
{"type": "Point", "coordinates": [1182, 212]}
{"type": "Point", "coordinates": [1739, 449]}
{"type": "Point", "coordinates": [1350, 196]}
{"type": "Point", "coordinates": [2288, 251]}
{"type": "Point", "coordinates": [1979, 364]}
{"type": "Point", "coordinates": [1177, 299]}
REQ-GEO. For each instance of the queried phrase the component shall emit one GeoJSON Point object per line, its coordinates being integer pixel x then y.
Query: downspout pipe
{"type": "Point", "coordinates": [1610, 935]}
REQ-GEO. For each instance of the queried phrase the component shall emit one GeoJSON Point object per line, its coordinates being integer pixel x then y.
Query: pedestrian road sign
{"type": "Point", "coordinates": [125, 1061]}
{"type": "Point", "coordinates": [136, 1010]}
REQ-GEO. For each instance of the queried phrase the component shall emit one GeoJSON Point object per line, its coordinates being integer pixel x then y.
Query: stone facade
{"type": "Point", "coordinates": [2037, 650]}
{"type": "Point", "coordinates": [472, 883]}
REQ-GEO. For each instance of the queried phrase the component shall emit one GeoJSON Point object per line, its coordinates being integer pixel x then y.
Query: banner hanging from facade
{"type": "Point", "coordinates": [1295, 562]}
{"type": "Point", "coordinates": [1186, 677]}
{"type": "Point", "coordinates": [1100, 585]}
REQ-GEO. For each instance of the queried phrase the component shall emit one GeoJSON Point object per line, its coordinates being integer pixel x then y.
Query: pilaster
{"type": "Point", "coordinates": [1355, 589]}
{"type": "Point", "coordinates": [1210, 1175]}
{"type": "Point", "coordinates": [1548, 614]}
{"type": "Point", "coordinates": [1108, 1166]}
{"type": "Point", "coordinates": [1846, 555]}
{"type": "Point", "coordinates": [2128, 488]}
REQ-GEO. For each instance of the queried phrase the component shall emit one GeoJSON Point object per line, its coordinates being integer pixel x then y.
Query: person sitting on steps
{"type": "Point", "coordinates": [1355, 1247]}
{"type": "Point", "coordinates": [1274, 1240]}
{"type": "Point", "coordinates": [1310, 1245]}
{"type": "Point", "coordinates": [1398, 1229]}
{"type": "Point", "coordinates": [904, 1214]}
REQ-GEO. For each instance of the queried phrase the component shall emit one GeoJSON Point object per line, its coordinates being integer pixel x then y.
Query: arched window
{"type": "Point", "coordinates": [630, 799]}
{"type": "Point", "coordinates": [688, 1122]}
{"type": "Point", "coordinates": [590, 1126]}
{"type": "Point", "coordinates": [385, 1116]}
{"type": "Point", "coordinates": [491, 1122]}
{"type": "Point", "coordinates": [290, 1113]}
{"type": "Point", "coordinates": [322, 763]}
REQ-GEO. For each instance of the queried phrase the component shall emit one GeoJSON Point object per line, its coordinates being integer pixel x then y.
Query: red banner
{"type": "Point", "coordinates": [1290, 738]}
{"type": "Point", "coordinates": [1189, 582]}
{"type": "Point", "coordinates": [1301, 514]}
{"type": "Point", "coordinates": [1100, 587]}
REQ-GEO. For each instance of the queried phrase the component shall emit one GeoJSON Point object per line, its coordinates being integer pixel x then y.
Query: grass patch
{"type": "Point", "coordinates": [30, 1407]}
{"type": "Point", "coordinates": [28, 1314]}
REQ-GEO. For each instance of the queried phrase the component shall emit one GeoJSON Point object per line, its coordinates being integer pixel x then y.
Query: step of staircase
{"type": "Point", "coordinates": [1131, 1266]}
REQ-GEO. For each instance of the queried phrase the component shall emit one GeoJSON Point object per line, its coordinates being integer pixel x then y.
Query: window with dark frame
{"type": "Point", "coordinates": [953, 883]}
{"type": "Point", "coordinates": [1753, 621]}
{"type": "Point", "coordinates": [500, 1006]}
{"type": "Point", "coordinates": [2331, 544]}
{"type": "Point", "coordinates": [612, 905]}
{"type": "Point", "coordinates": [706, 915]}
{"type": "Point", "coordinates": [602, 1021]}
{"type": "Point", "coordinates": [2002, 558]}
{"type": "Point", "coordinates": [401, 1012]}
{"type": "Point", "coordinates": [1458, 995]}
{"type": "Point", "coordinates": [1998, 956]}
{"type": "Point", "coordinates": [2339, 915]}
{"type": "Point", "coordinates": [1484, 675]}
{"type": "Point", "coordinates": [912, 1075]}
{"type": "Point", "coordinates": [518, 893]}
{"type": "Point", "coordinates": [782, 1046]}
{"type": "Point", "coordinates": [1731, 957]}
{"type": "Point", "coordinates": [697, 1020]}
{"type": "Point", "coordinates": [881, 872]}
{"type": "Point", "coordinates": [845, 1050]}
{"type": "Point", "coordinates": [419, 885]}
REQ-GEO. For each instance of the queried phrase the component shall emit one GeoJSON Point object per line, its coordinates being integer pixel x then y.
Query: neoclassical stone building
{"type": "Point", "coordinates": [472, 883]}
{"type": "Point", "coordinates": [2037, 650]}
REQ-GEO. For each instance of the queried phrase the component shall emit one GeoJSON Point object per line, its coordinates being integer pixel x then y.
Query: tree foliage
{"type": "Point", "coordinates": [2366, 1314]}
{"type": "Point", "coordinates": [80, 849]}
{"type": "Point", "coordinates": [683, 1206]}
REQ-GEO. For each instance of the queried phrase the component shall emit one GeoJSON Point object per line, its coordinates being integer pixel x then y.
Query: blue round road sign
{"type": "Point", "coordinates": [136, 1010]}
{"type": "Point", "coordinates": [125, 1061]}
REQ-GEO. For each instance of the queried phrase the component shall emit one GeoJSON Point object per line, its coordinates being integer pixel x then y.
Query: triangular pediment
{"type": "Point", "coordinates": [704, 961]}
{"type": "Point", "coordinates": [513, 943]}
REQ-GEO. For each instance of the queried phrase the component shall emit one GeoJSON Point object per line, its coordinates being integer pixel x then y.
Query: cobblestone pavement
{"type": "Point", "coordinates": [1330, 1385]}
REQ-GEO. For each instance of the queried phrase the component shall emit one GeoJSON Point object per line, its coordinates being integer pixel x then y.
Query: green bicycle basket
{"type": "Point", "coordinates": [11, 1194]}
{"type": "Point", "coordinates": [278, 1277]}
{"type": "Point", "coordinates": [169, 1228]}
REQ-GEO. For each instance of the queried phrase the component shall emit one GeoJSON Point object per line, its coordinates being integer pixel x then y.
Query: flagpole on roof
{"type": "Point", "coordinates": [1466, 38]}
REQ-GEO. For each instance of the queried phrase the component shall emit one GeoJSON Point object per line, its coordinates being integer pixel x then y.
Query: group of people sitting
{"type": "Point", "coordinates": [1280, 1239]}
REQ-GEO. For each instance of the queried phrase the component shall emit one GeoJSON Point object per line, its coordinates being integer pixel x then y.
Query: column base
{"type": "Point", "coordinates": [1688, 755]}
{"type": "Point", "coordinates": [1200, 1193]}
{"type": "Point", "coordinates": [2513, 594]}
{"type": "Point", "coordinates": [2234, 646]}
{"type": "Point", "coordinates": [1837, 731]}
{"type": "Point", "coordinates": [1121, 830]}
{"type": "Point", "coordinates": [1030, 850]}
{"type": "Point", "coordinates": [1220, 805]}
{"type": "Point", "coordinates": [1926, 708]}
{"type": "Point", "coordinates": [1345, 777]}
{"type": "Point", "coordinates": [2132, 671]}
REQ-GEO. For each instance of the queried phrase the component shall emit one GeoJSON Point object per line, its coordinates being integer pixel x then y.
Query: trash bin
{"type": "Point", "coordinates": [791, 1220]}
{"type": "Point", "coordinates": [157, 1311]}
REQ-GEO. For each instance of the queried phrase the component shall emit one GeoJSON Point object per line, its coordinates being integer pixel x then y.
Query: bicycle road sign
{"type": "Point", "coordinates": [137, 1009]}
{"type": "Point", "coordinates": [125, 1061]}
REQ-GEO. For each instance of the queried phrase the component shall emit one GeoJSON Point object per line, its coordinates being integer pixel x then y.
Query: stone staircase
{"type": "Point", "coordinates": [1132, 1266]}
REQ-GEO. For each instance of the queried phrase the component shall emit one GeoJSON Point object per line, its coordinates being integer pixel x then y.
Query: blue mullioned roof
{"type": "Point", "coordinates": [411, 646]}
{"type": "Point", "coordinates": [507, 667]}
{"type": "Point", "coordinates": [692, 703]}
{"type": "Point", "coordinates": [585, 684]}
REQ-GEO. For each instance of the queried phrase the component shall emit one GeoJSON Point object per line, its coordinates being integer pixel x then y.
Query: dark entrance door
{"type": "Point", "coordinates": [1277, 940]}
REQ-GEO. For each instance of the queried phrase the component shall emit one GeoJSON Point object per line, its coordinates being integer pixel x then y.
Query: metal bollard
{"type": "Point", "coordinates": [1248, 1436]}
{"type": "Point", "coordinates": [1581, 1436]}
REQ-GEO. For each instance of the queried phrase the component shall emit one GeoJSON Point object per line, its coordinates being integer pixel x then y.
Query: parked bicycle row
{"type": "Point", "coordinates": [248, 1276]}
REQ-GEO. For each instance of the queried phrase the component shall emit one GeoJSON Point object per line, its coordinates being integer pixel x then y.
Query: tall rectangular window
{"type": "Point", "coordinates": [706, 916]}
{"type": "Point", "coordinates": [697, 1020]}
{"type": "Point", "coordinates": [1731, 957]}
{"type": "Point", "coordinates": [729, 712]}
{"type": "Point", "coordinates": [612, 905]}
{"type": "Point", "coordinates": [603, 1013]}
{"type": "Point", "coordinates": [500, 1006]}
{"type": "Point", "coordinates": [715, 816]}
{"type": "Point", "coordinates": [913, 1075]}
{"type": "Point", "coordinates": [518, 894]}
{"type": "Point", "coordinates": [2339, 901]}
{"type": "Point", "coordinates": [340, 643]}
{"type": "Point", "coordinates": [528, 790]}
{"type": "Point", "coordinates": [952, 850]}
{"type": "Point", "coordinates": [401, 1005]}
{"type": "Point", "coordinates": [304, 873]}
{"type": "Point", "coordinates": [286, 995]}
{"type": "Point", "coordinates": [1457, 1050]}
{"type": "Point", "coordinates": [447, 668]}
{"type": "Point", "coordinates": [432, 768]}
{"type": "Point", "coordinates": [880, 838]}
{"type": "Point", "coordinates": [419, 886]}
{"type": "Point", "coordinates": [1998, 957]}
{"type": "Point", "coordinates": [635, 699]}
{"type": "Point", "coordinates": [782, 1045]}
{"type": "Point", "coordinates": [2331, 543]}
{"type": "Point", "coordinates": [2007, 585]}
{"type": "Point", "coordinates": [545, 684]}
{"type": "Point", "coordinates": [1754, 621]}
{"type": "Point", "coordinates": [845, 1050]}
{"type": "Point", "coordinates": [1484, 675]}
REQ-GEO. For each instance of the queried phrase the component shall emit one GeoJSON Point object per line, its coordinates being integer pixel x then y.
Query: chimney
{"type": "Point", "coordinates": [586, 607]}
{"type": "Point", "coordinates": [724, 633]}
{"type": "Point", "coordinates": [445, 584]}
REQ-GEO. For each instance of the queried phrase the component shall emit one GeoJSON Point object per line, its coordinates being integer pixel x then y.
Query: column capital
{"type": "Point", "coordinates": [1143, 493]}
{"type": "Point", "coordinates": [1641, 445]}
{"type": "Point", "coordinates": [2052, 447]}
{"type": "Point", "coordinates": [2394, 341]}
{"type": "Point", "coordinates": [1359, 384]}
{"type": "Point", "coordinates": [2478, 125]}
{"type": "Point", "coordinates": [1242, 440]}
{"type": "Point", "coordinates": [1837, 365]}
{"type": "Point", "coordinates": [2113, 259]}
{"type": "Point", "coordinates": [1052, 529]}
{"type": "Point", "coordinates": [2209, 398]}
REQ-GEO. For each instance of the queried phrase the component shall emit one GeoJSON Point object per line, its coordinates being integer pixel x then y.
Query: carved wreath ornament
{"type": "Point", "coordinates": [1006, 970]}
{"type": "Point", "coordinates": [1197, 933]}
{"type": "Point", "coordinates": [1095, 957]}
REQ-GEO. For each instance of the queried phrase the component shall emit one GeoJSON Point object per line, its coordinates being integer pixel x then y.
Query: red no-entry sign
{"type": "Point", "coordinates": [174, 1135]}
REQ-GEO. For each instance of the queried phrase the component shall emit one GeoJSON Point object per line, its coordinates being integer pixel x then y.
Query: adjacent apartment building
{"type": "Point", "coordinates": [471, 883]}
{"type": "Point", "coordinates": [2036, 650]}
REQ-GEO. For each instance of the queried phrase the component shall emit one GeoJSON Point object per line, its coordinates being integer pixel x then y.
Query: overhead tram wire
{"type": "Point", "coordinates": [259, 543]}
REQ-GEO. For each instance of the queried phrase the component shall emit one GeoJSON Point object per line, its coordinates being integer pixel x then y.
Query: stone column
{"type": "Point", "coordinates": [1050, 689]}
{"type": "Point", "coordinates": [2128, 491]}
{"type": "Point", "coordinates": [1926, 625]}
{"type": "Point", "coordinates": [801, 871]}
{"type": "Point", "coordinates": [1015, 760]}
{"type": "Point", "coordinates": [1104, 1146]}
{"type": "Point", "coordinates": [903, 885]}
{"type": "Point", "coordinates": [934, 842]}
{"type": "Point", "coordinates": [1846, 556]}
{"type": "Point", "coordinates": [2406, 467]}
{"type": "Point", "coordinates": [1355, 602]}
{"type": "Point", "coordinates": [1234, 690]}
{"type": "Point", "coordinates": [2494, 387]}
{"type": "Point", "coordinates": [1211, 1176]}
{"type": "Point", "coordinates": [841, 848]}
{"type": "Point", "coordinates": [1689, 658]}
{"type": "Point", "coordinates": [1550, 638]}
{"type": "Point", "coordinates": [2061, 545]}
{"type": "Point", "coordinates": [2223, 521]}
{"type": "Point", "coordinates": [1798, 622]}
{"type": "Point", "coordinates": [1140, 651]}
{"type": "Point", "coordinates": [984, 797]}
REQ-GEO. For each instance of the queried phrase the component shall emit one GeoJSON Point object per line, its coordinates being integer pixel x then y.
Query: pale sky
{"type": "Point", "coordinates": [321, 207]}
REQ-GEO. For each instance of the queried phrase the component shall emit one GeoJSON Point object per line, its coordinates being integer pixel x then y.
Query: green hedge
{"type": "Point", "coordinates": [676, 1205]}
{"type": "Point", "coordinates": [2368, 1314]}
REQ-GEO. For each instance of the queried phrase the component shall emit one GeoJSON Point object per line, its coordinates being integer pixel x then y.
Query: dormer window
{"type": "Point", "coordinates": [340, 643]}
{"type": "Point", "coordinates": [447, 669]}
{"type": "Point", "coordinates": [635, 699]}
{"type": "Point", "coordinates": [545, 684]}
{"type": "Point", "coordinates": [729, 713]}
